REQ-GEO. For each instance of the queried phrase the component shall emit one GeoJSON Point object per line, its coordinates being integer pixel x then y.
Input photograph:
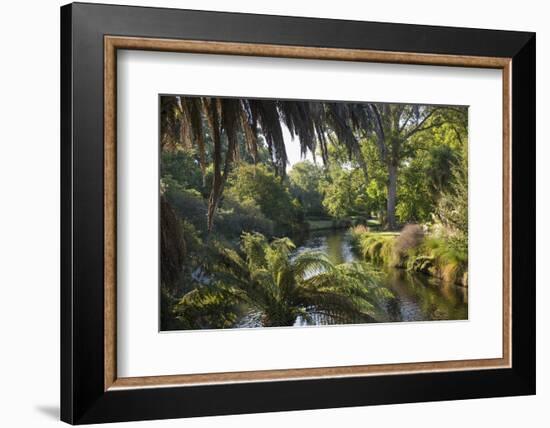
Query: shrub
{"type": "Point", "coordinates": [182, 167]}
{"type": "Point", "coordinates": [413, 251]}
{"type": "Point", "coordinates": [189, 205]}
{"type": "Point", "coordinates": [449, 263]}
{"type": "Point", "coordinates": [452, 211]}
{"type": "Point", "coordinates": [264, 278]}
{"type": "Point", "coordinates": [168, 319]}
{"type": "Point", "coordinates": [258, 184]}
{"type": "Point", "coordinates": [407, 242]}
{"type": "Point", "coordinates": [375, 247]}
{"type": "Point", "coordinates": [193, 242]}
{"type": "Point", "coordinates": [304, 179]}
{"type": "Point", "coordinates": [236, 217]}
{"type": "Point", "coordinates": [420, 263]}
{"type": "Point", "coordinates": [410, 238]}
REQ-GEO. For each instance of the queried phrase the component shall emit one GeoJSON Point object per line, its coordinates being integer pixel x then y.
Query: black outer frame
{"type": "Point", "coordinates": [83, 399]}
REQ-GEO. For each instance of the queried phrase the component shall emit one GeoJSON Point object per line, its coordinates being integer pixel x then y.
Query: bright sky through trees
{"type": "Point", "coordinates": [293, 149]}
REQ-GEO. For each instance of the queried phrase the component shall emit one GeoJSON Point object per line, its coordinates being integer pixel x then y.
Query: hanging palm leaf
{"type": "Point", "coordinates": [310, 122]}
{"type": "Point", "coordinates": [268, 118]}
{"type": "Point", "coordinates": [192, 121]}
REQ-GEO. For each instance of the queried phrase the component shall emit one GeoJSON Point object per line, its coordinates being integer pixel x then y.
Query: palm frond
{"type": "Point", "coordinates": [310, 263]}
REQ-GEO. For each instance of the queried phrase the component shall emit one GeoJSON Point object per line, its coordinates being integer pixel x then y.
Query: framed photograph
{"type": "Point", "coordinates": [266, 213]}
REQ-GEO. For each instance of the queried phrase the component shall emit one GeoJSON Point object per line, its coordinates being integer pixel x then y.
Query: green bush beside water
{"type": "Point", "coordinates": [413, 250]}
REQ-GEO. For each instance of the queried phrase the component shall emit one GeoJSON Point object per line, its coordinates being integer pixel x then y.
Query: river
{"type": "Point", "coordinates": [417, 297]}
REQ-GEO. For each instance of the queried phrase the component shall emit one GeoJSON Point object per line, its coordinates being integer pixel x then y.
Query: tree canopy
{"type": "Point", "coordinates": [231, 124]}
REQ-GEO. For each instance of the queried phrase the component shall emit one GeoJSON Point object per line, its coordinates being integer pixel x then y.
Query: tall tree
{"type": "Point", "coordinates": [393, 126]}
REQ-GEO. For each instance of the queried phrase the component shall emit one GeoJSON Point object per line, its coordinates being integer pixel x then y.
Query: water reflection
{"type": "Point", "coordinates": [418, 297]}
{"type": "Point", "coordinates": [421, 298]}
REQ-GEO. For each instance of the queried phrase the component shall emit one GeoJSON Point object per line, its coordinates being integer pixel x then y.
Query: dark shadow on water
{"type": "Point", "coordinates": [419, 297]}
{"type": "Point", "coordinates": [50, 411]}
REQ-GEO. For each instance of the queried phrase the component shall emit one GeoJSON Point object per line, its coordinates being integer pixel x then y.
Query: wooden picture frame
{"type": "Point", "coordinates": [91, 390]}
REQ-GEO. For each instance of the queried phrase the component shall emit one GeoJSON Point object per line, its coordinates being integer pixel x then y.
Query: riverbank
{"type": "Point", "coordinates": [417, 297]}
{"type": "Point", "coordinates": [316, 224]}
{"type": "Point", "coordinates": [414, 251]}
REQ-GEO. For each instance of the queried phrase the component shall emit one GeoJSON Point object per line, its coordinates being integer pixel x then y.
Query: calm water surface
{"type": "Point", "coordinates": [418, 297]}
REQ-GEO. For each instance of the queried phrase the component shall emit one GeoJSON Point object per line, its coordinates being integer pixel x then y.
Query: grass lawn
{"type": "Point", "coordinates": [385, 233]}
{"type": "Point", "coordinates": [316, 223]}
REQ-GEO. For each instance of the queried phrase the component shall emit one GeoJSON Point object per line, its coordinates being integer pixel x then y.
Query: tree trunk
{"type": "Point", "coordinates": [217, 183]}
{"type": "Point", "coordinates": [213, 200]}
{"type": "Point", "coordinates": [172, 245]}
{"type": "Point", "coordinates": [392, 195]}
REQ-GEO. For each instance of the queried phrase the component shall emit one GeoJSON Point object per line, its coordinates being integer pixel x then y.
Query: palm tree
{"type": "Point", "coordinates": [281, 287]}
{"type": "Point", "coordinates": [189, 121]}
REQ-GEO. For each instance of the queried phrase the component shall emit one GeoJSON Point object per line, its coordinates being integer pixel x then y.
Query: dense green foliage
{"type": "Point", "coordinates": [280, 288]}
{"type": "Point", "coordinates": [434, 254]}
{"type": "Point", "coordinates": [258, 186]}
{"type": "Point", "coordinates": [305, 185]}
{"type": "Point", "coordinates": [181, 167]}
{"type": "Point", "coordinates": [230, 202]}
